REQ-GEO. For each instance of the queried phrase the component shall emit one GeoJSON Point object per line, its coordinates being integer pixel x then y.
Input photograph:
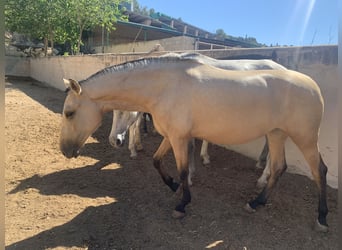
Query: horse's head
{"type": "Point", "coordinates": [122, 120]}
{"type": "Point", "coordinates": [81, 117]}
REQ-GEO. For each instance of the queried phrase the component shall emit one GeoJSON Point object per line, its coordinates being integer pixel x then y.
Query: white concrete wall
{"type": "Point", "coordinates": [322, 68]}
{"type": "Point", "coordinates": [169, 44]}
{"type": "Point", "coordinates": [52, 70]}
{"type": "Point", "coordinates": [17, 66]}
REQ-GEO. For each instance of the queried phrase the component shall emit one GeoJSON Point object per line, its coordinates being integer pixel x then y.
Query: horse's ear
{"type": "Point", "coordinates": [73, 85]}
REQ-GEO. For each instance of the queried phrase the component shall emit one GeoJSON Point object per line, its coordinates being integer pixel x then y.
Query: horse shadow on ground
{"type": "Point", "coordinates": [140, 199]}
{"type": "Point", "coordinates": [93, 226]}
{"type": "Point", "coordinates": [142, 207]}
{"type": "Point", "coordinates": [103, 226]}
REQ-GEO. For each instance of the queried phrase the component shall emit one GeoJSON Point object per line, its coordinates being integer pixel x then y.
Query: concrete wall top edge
{"type": "Point", "coordinates": [325, 54]}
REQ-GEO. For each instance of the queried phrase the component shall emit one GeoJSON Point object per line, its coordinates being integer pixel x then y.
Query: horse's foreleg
{"type": "Point", "coordinates": [145, 123]}
{"type": "Point", "coordinates": [154, 131]}
{"type": "Point", "coordinates": [263, 156]}
{"type": "Point", "coordinates": [164, 147]}
{"type": "Point", "coordinates": [137, 137]}
{"type": "Point", "coordinates": [131, 144]}
{"type": "Point", "coordinates": [180, 149]}
{"type": "Point", "coordinates": [204, 153]}
{"type": "Point", "coordinates": [112, 135]}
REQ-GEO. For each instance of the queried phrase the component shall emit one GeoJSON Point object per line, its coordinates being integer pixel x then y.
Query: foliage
{"type": "Point", "coordinates": [87, 14]}
{"type": "Point", "coordinates": [60, 20]}
{"type": "Point", "coordinates": [220, 34]}
{"type": "Point", "coordinates": [36, 18]}
{"type": "Point", "coordinates": [142, 10]}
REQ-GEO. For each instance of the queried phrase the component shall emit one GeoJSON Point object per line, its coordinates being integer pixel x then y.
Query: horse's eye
{"type": "Point", "coordinates": [69, 114]}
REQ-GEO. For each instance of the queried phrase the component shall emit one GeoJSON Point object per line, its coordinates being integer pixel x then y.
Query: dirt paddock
{"type": "Point", "coordinates": [105, 200]}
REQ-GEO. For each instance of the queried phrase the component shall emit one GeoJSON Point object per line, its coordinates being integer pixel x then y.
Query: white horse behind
{"type": "Point", "coordinates": [124, 121]}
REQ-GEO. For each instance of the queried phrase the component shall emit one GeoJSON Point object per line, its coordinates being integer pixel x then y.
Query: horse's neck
{"type": "Point", "coordinates": [122, 90]}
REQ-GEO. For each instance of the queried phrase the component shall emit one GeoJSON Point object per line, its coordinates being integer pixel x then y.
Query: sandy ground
{"type": "Point", "coordinates": [105, 200]}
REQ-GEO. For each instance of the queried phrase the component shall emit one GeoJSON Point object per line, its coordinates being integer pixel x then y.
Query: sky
{"type": "Point", "coordinates": [271, 22]}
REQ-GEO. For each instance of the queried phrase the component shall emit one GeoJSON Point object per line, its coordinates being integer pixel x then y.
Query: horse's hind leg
{"type": "Point", "coordinates": [262, 181]}
{"type": "Point", "coordinates": [191, 156]}
{"type": "Point", "coordinates": [262, 161]}
{"type": "Point", "coordinates": [277, 166]}
{"type": "Point", "coordinates": [322, 204]}
{"type": "Point", "coordinates": [145, 123]}
{"type": "Point", "coordinates": [319, 172]}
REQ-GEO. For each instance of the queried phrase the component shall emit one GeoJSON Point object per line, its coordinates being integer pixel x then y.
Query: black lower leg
{"type": "Point", "coordinates": [263, 196]}
{"type": "Point", "coordinates": [145, 123]}
{"type": "Point", "coordinates": [186, 198]}
{"type": "Point", "coordinates": [322, 205]}
{"type": "Point", "coordinates": [260, 200]}
{"type": "Point", "coordinates": [168, 180]}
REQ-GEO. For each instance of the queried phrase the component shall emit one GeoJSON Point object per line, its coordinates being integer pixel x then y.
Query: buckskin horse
{"type": "Point", "coordinates": [189, 99]}
{"type": "Point", "coordinates": [124, 121]}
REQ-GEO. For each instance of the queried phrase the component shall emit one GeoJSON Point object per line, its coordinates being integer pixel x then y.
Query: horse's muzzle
{"type": "Point", "coordinates": [120, 139]}
{"type": "Point", "coordinates": [120, 142]}
{"type": "Point", "coordinates": [116, 142]}
{"type": "Point", "coordinates": [69, 151]}
{"type": "Point", "coordinates": [71, 154]}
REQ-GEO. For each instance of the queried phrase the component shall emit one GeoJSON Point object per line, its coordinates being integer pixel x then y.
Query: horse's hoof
{"type": "Point", "coordinates": [249, 209]}
{"type": "Point", "coordinates": [177, 214]}
{"type": "Point", "coordinates": [321, 228]}
{"type": "Point", "coordinates": [206, 162]}
{"type": "Point", "coordinates": [261, 184]}
{"type": "Point", "coordinates": [260, 165]}
{"type": "Point", "coordinates": [133, 156]}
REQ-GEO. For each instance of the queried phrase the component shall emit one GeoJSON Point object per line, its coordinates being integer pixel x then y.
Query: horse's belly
{"type": "Point", "coordinates": [231, 136]}
{"type": "Point", "coordinates": [234, 128]}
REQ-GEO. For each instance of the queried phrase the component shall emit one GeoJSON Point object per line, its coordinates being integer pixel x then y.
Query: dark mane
{"type": "Point", "coordinates": [139, 64]}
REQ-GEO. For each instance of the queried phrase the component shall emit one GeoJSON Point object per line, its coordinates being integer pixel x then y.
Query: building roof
{"type": "Point", "coordinates": [158, 26]}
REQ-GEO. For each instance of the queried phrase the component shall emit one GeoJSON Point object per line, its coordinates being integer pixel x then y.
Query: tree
{"type": "Point", "coordinates": [87, 14]}
{"type": "Point", "coordinates": [142, 10]}
{"type": "Point", "coordinates": [38, 19]}
{"type": "Point", "coordinates": [60, 20]}
{"type": "Point", "coordinates": [220, 34]}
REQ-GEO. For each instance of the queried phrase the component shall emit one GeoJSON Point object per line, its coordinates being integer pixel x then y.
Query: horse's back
{"type": "Point", "coordinates": [250, 103]}
{"type": "Point", "coordinates": [241, 64]}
